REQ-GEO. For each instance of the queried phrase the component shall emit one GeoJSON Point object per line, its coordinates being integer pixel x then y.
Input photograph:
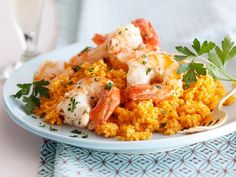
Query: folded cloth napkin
{"type": "Point", "coordinates": [177, 22]}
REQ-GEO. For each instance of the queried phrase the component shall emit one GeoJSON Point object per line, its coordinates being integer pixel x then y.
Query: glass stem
{"type": "Point", "coordinates": [31, 47]}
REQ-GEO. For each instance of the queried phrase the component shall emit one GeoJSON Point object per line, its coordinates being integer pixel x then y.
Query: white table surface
{"type": "Point", "coordinates": [19, 149]}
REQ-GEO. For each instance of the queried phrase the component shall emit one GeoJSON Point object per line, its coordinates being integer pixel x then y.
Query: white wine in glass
{"type": "Point", "coordinates": [27, 16]}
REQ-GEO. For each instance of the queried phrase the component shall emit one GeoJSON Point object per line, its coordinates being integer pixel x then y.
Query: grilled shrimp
{"type": "Point", "coordinates": [121, 45]}
{"type": "Point", "coordinates": [153, 68]}
{"type": "Point", "coordinates": [148, 33]}
{"type": "Point", "coordinates": [50, 70]}
{"type": "Point", "coordinates": [92, 101]}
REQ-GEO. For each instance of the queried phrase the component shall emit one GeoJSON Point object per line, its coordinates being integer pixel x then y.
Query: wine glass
{"type": "Point", "coordinates": [26, 14]}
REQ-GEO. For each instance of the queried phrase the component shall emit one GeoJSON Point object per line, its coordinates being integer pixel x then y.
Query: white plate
{"type": "Point", "coordinates": [157, 143]}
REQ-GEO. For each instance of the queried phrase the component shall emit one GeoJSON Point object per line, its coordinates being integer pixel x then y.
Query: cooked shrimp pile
{"type": "Point", "coordinates": [125, 87]}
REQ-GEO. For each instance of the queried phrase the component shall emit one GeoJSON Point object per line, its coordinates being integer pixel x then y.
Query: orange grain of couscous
{"type": "Point", "coordinates": [138, 120]}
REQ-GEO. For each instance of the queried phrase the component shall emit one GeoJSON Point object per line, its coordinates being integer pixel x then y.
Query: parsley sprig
{"type": "Point", "coordinates": [31, 93]}
{"type": "Point", "coordinates": [215, 58]}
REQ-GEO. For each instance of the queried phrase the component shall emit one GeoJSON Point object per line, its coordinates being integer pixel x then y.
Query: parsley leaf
{"type": "Point", "coordinates": [227, 50]}
{"type": "Point", "coordinates": [183, 68]}
{"type": "Point", "coordinates": [72, 104]}
{"type": "Point", "coordinates": [191, 70]}
{"type": "Point", "coordinates": [85, 49]}
{"type": "Point", "coordinates": [204, 48]}
{"type": "Point", "coordinates": [30, 94]}
{"type": "Point", "coordinates": [185, 51]}
{"type": "Point", "coordinates": [52, 129]}
{"type": "Point", "coordinates": [76, 131]}
{"type": "Point", "coordinates": [25, 89]}
{"type": "Point", "coordinates": [148, 71]}
{"type": "Point", "coordinates": [76, 68]}
{"type": "Point", "coordinates": [108, 86]}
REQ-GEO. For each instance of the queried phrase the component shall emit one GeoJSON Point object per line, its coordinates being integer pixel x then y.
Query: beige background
{"type": "Point", "coordinates": [19, 149]}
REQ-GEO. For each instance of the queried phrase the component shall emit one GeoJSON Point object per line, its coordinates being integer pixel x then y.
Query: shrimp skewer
{"type": "Point", "coordinates": [92, 100]}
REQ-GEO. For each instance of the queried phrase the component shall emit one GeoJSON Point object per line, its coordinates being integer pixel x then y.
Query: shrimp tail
{"type": "Point", "coordinates": [148, 33]}
{"type": "Point", "coordinates": [90, 55]}
{"type": "Point", "coordinates": [105, 106]}
{"type": "Point", "coordinates": [99, 39]}
{"type": "Point", "coordinates": [145, 92]}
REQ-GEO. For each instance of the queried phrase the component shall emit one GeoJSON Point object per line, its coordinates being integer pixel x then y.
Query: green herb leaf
{"type": "Point", "coordinates": [183, 68]}
{"type": "Point", "coordinates": [180, 57]}
{"type": "Point", "coordinates": [76, 68]}
{"type": "Point", "coordinates": [206, 47]}
{"type": "Point", "coordinates": [32, 100]}
{"type": "Point", "coordinates": [85, 49]}
{"type": "Point", "coordinates": [158, 86]}
{"type": "Point", "coordinates": [191, 72]}
{"type": "Point", "coordinates": [52, 129]}
{"type": "Point", "coordinates": [148, 71]}
{"type": "Point", "coordinates": [227, 50]}
{"type": "Point", "coordinates": [84, 136]}
{"type": "Point", "coordinates": [185, 51]}
{"type": "Point", "coordinates": [72, 104]}
{"type": "Point", "coordinates": [29, 106]}
{"type": "Point", "coordinates": [108, 86]}
{"type": "Point", "coordinates": [42, 125]}
{"type": "Point", "coordinates": [25, 89]}
{"type": "Point", "coordinates": [196, 45]}
{"type": "Point", "coordinates": [76, 131]}
{"type": "Point", "coordinates": [214, 59]}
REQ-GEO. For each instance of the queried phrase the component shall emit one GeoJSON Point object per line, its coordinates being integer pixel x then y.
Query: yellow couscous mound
{"type": "Point", "coordinates": [138, 120]}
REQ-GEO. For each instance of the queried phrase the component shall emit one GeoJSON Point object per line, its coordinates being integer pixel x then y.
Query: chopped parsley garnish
{"type": "Point", "coordinates": [158, 86]}
{"type": "Point", "coordinates": [74, 136]}
{"type": "Point", "coordinates": [76, 131]}
{"type": "Point", "coordinates": [72, 104]}
{"type": "Point", "coordinates": [85, 112]}
{"type": "Point", "coordinates": [52, 129]}
{"type": "Point", "coordinates": [144, 62]}
{"type": "Point", "coordinates": [91, 69]}
{"type": "Point", "coordinates": [108, 86]}
{"type": "Point", "coordinates": [31, 93]}
{"type": "Point", "coordinates": [76, 68]}
{"type": "Point", "coordinates": [215, 57]}
{"type": "Point", "coordinates": [42, 125]}
{"type": "Point", "coordinates": [148, 71]}
{"type": "Point", "coordinates": [33, 116]}
{"type": "Point", "coordinates": [85, 49]}
{"type": "Point", "coordinates": [144, 56]}
{"type": "Point", "coordinates": [84, 136]}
